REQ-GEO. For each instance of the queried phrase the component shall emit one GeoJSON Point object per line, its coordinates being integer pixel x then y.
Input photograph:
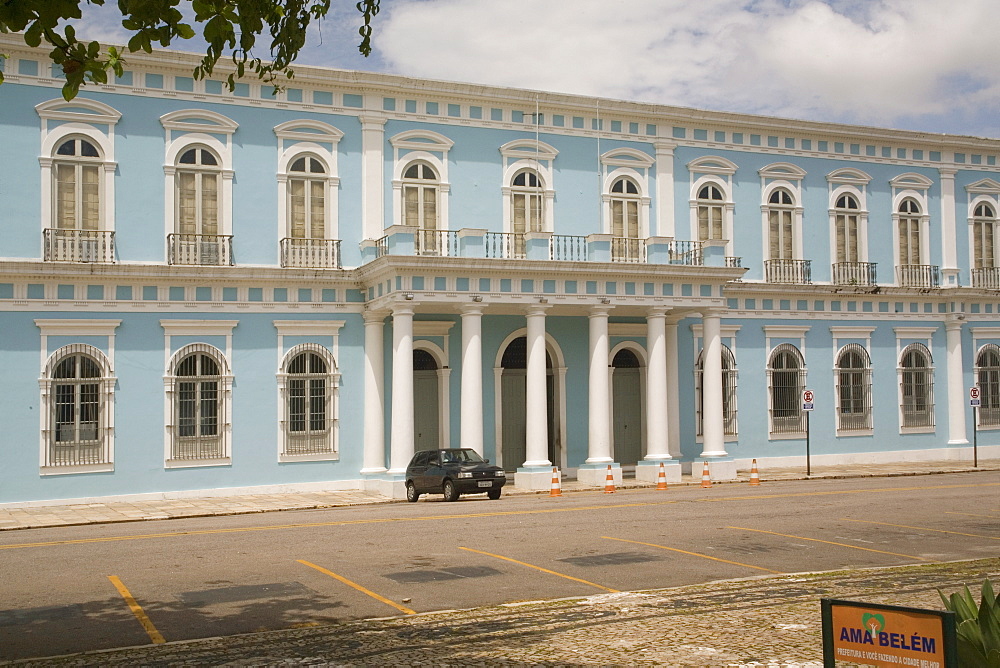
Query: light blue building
{"type": "Point", "coordinates": [204, 291]}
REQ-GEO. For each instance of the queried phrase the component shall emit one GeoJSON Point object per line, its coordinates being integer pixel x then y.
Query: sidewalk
{"type": "Point", "coordinates": [133, 511]}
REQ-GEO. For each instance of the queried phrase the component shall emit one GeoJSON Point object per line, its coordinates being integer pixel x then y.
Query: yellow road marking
{"type": "Point", "coordinates": [693, 554]}
{"type": "Point", "coordinates": [508, 513]}
{"type": "Point", "coordinates": [137, 610]}
{"type": "Point", "coordinates": [361, 589]}
{"type": "Point", "coordinates": [828, 542]}
{"type": "Point", "coordinates": [906, 526]}
{"type": "Point", "coordinates": [539, 568]}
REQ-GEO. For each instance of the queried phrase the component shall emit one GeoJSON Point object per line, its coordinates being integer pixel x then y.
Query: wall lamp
{"type": "Point", "coordinates": [543, 300]}
{"type": "Point", "coordinates": [605, 301]}
{"type": "Point", "coordinates": [408, 296]}
{"type": "Point", "coordinates": [477, 298]}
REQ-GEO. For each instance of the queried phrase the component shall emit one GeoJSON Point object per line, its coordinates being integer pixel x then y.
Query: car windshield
{"type": "Point", "coordinates": [460, 457]}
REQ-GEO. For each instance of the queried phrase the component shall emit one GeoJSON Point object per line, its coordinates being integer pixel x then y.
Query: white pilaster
{"type": "Point", "coordinates": [657, 408]}
{"type": "Point", "coordinates": [956, 389]}
{"type": "Point", "coordinates": [472, 378]}
{"type": "Point", "coordinates": [949, 237]}
{"type": "Point", "coordinates": [374, 415]}
{"type": "Point", "coordinates": [713, 431]}
{"type": "Point", "coordinates": [372, 159]}
{"type": "Point", "coordinates": [599, 448]}
{"type": "Point", "coordinates": [536, 409]}
{"type": "Point", "coordinates": [401, 446]}
{"type": "Point", "coordinates": [673, 382]}
{"type": "Point", "coordinates": [665, 188]}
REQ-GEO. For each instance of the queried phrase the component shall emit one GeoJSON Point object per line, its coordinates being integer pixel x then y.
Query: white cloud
{"type": "Point", "coordinates": [894, 62]}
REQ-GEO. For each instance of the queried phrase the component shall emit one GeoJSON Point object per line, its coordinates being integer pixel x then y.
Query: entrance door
{"type": "Point", "coordinates": [426, 433]}
{"type": "Point", "coordinates": [627, 404]}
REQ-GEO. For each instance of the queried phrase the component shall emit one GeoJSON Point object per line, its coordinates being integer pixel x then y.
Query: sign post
{"type": "Point", "coordinates": [975, 400]}
{"type": "Point", "coordinates": [808, 404]}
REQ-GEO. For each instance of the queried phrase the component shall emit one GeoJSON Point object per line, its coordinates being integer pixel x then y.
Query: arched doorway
{"type": "Point", "coordinates": [426, 429]}
{"type": "Point", "coordinates": [513, 384]}
{"type": "Point", "coordinates": [627, 407]}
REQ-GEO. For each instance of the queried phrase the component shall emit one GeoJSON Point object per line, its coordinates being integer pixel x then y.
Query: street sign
{"type": "Point", "coordinates": [974, 397]}
{"type": "Point", "coordinates": [807, 400]}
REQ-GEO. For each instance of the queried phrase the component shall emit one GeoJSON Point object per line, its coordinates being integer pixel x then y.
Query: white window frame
{"type": "Point", "coordinates": [307, 138]}
{"type": "Point", "coordinates": [84, 119]}
{"type": "Point", "coordinates": [786, 176]}
{"type": "Point", "coordinates": [993, 201]}
{"type": "Point", "coordinates": [537, 156]}
{"type": "Point", "coordinates": [715, 171]}
{"type": "Point", "coordinates": [908, 339]}
{"type": "Point", "coordinates": [851, 182]}
{"type": "Point", "coordinates": [866, 379]}
{"type": "Point", "coordinates": [420, 146]}
{"type": "Point", "coordinates": [332, 407]}
{"type": "Point", "coordinates": [727, 336]}
{"type": "Point", "coordinates": [915, 187]}
{"type": "Point", "coordinates": [634, 165]}
{"type": "Point", "coordinates": [987, 395]}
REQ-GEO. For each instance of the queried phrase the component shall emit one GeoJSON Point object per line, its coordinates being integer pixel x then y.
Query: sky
{"type": "Point", "coordinates": [925, 65]}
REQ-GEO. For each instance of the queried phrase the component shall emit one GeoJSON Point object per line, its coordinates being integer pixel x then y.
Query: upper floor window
{"type": "Point", "coordinates": [780, 220]}
{"type": "Point", "coordinates": [846, 217]}
{"type": "Point", "coordinates": [527, 202]}
{"type": "Point", "coordinates": [909, 228]}
{"type": "Point", "coordinates": [198, 178]}
{"type": "Point", "coordinates": [711, 205]}
{"type": "Point", "coordinates": [77, 168]}
{"type": "Point", "coordinates": [307, 198]}
{"type": "Point", "coordinates": [420, 196]}
{"type": "Point", "coordinates": [916, 385]}
{"type": "Point", "coordinates": [625, 208]}
{"type": "Point", "coordinates": [786, 380]}
{"type": "Point", "coordinates": [984, 238]}
{"type": "Point", "coordinates": [854, 388]}
{"type": "Point", "coordinates": [988, 380]}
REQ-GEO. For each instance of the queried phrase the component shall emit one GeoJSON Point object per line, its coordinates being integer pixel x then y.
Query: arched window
{"type": "Point", "coordinates": [420, 196]}
{"type": "Point", "coordinates": [198, 180]}
{"type": "Point", "coordinates": [626, 245]}
{"type": "Point", "coordinates": [780, 212]}
{"type": "Point", "coordinates": [710, 212]}
{"type": "Point", "coordinates": [786, 380]}
{"type": "Point", "coordinates": [308, 384]}
{"type": "Point", "coordinates": [854, 389]}
{"type": "Point", "coordinates": [527, 202]}
{"type": "Point", "coordinates": [76, 168]}
{"type": "Point", "coordinates": [199, 385]}
{"type": "Point", "coordinates": [909, 232]}
{"type": "Point", "coordinates": [916, 385]}
{"type": "Point", "coordinates": [728, 391]}
{"type": "Point", "coordinates": [77, 395]}
{"type": "Point", "coordinates": [984, 238]}
{"type": "Point", "coordinates": [307, 198]}
{"type": "Point", "coordinates": [846, 224]}
{"type": "Point", "coordinates": [988, 380]}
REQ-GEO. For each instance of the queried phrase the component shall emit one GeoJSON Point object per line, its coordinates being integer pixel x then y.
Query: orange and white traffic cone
{"type": "Point", "coordinates": [754, 475]}
{"type": "Point", "coordinates": [609, 484]}
{"type": "Point", "coordinates": [556, 488]}
{"type": "Point", "coordinates": [661, 478]}
{"type": "Point", "coordinates": [706, 479]}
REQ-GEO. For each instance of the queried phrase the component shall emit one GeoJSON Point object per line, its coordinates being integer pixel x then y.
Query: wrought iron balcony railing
{"type": "Point", "coordinates": [918, 275]}
{"type": "Point", "coordinates": [78, 245]}
{"type": "Point", "coordinates": [203, 249]}
{"type": "Point", "coordinates": [788, 271]}
{"type": "Point", "coordinates": [853, 273]}
{"type": "Point", "coordinates": [310, 253]}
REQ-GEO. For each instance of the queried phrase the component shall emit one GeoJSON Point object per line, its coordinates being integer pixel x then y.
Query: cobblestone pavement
{"type": "Point", "coordinates": [54, 515]}
{"type": "Point", "coordinates": [771, 621]}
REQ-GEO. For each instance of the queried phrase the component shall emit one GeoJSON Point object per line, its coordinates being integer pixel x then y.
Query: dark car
{"type": "Point", "coordinates": [452, 472]}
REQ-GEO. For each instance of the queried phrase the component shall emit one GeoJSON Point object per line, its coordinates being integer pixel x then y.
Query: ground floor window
{"type": "Point", "coordinates": [77, 397]}
{"type": "Point", "coordinates": [199, 385]}
{"type": "Point", "coordinates": [308, 387]}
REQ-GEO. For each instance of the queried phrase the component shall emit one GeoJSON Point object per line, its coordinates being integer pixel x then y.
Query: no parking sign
{"type": "Point", "coordinates": [807, 400]}
{"type": "Point", "coordinates": [974, 397]}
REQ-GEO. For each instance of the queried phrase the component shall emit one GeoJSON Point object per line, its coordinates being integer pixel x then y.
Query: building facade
{"type": "Point", "coordinates": [205, 291]}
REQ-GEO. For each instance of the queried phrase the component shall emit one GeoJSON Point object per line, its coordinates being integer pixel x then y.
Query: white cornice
{"type": "Point", "coordinates": [198, 327]}
{"type": "Point", "coordinates": [77, 327]}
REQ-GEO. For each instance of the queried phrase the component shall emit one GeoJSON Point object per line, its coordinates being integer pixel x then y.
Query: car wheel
{"type": "Point", "coordinates": [494, 494]}
{"type": "Point", "coordinates": [450, 491]}
{"type": "Point", "coordinates": [411, 492]}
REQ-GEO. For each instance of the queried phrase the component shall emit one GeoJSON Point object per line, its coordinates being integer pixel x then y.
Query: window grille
{"type": "Point", "coordinates": [916, 385]}
{"type": "Point", "coordinates": [854, 389]}
{"type": "Point", "coordinates": [988, 380]}
{"type": "Point", "coordinates": [199, 387]}
{"type": "Point", "coordinates": [308, 385]}
{"type": "Point", "coordinates": [786, 380]}
{"type": "Point", "coordinates": [729, 377]}
{"type": "Point", "coordinates": [78, 398]}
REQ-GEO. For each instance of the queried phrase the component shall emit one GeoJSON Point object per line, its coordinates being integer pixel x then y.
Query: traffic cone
{"type": "Point", "coordinates": [706, 479]}
{"type": "Point", "coordinates": [609, 484]}
{"type": "Point", "coordinates": [556, 487]}
{"type": "Point", "coordinates": [661, 478]}
{"type": "Point", "coordinates": [754, 475]}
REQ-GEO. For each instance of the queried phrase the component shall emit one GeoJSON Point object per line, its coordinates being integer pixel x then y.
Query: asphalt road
{"type": "Point", "coordinates": [80, 588]}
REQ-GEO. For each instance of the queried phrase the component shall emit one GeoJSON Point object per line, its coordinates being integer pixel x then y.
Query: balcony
{"type": "Point", "coordinates": [918, 275]}
{"type": "Point", "coordinates": [853, 273]}
{"type": "Point", "coordinates": [310, 253]}
{"type": "Point", "coordinates": [505, 246]}
{"type": "Point", "coordinates": [436, 243]}
{"type": "Point", "coordinates": [626, 249]}
{"type": "Point", "coordinates": [986, 277]}
{"type": "Point", "coordinates": [200, 249]}
{"type": "Point", "coordinates": [798, 272]}
{"type": "Point", "coordinates": [78, 245]}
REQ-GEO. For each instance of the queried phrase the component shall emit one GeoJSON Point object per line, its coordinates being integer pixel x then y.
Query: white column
{"type": "Point", "coordinates": [401, 445]}
{"type": "Point", "coordinates": [713, 432]}
{"type": "Point", "coordinates": [665, 188]}
{"type": "Point", "coordinates": [372, 159]}
{"type": "Point", "coordinates": [949, 236]}
{"type": "Point", "coordinates": [536, 409]}
{"type": "Point", "coordinates": [599, 448]}
{"type": "Point", "coordinates": [472, 378]}
{"type": "Point", "coordinates": [374, 416]}
{"type": "Point", "coordinates": [956, 389]}
{"type": "Point", "coordinates": [673, 396]}
{"type": "Point", "coordinates": [657, 408]}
